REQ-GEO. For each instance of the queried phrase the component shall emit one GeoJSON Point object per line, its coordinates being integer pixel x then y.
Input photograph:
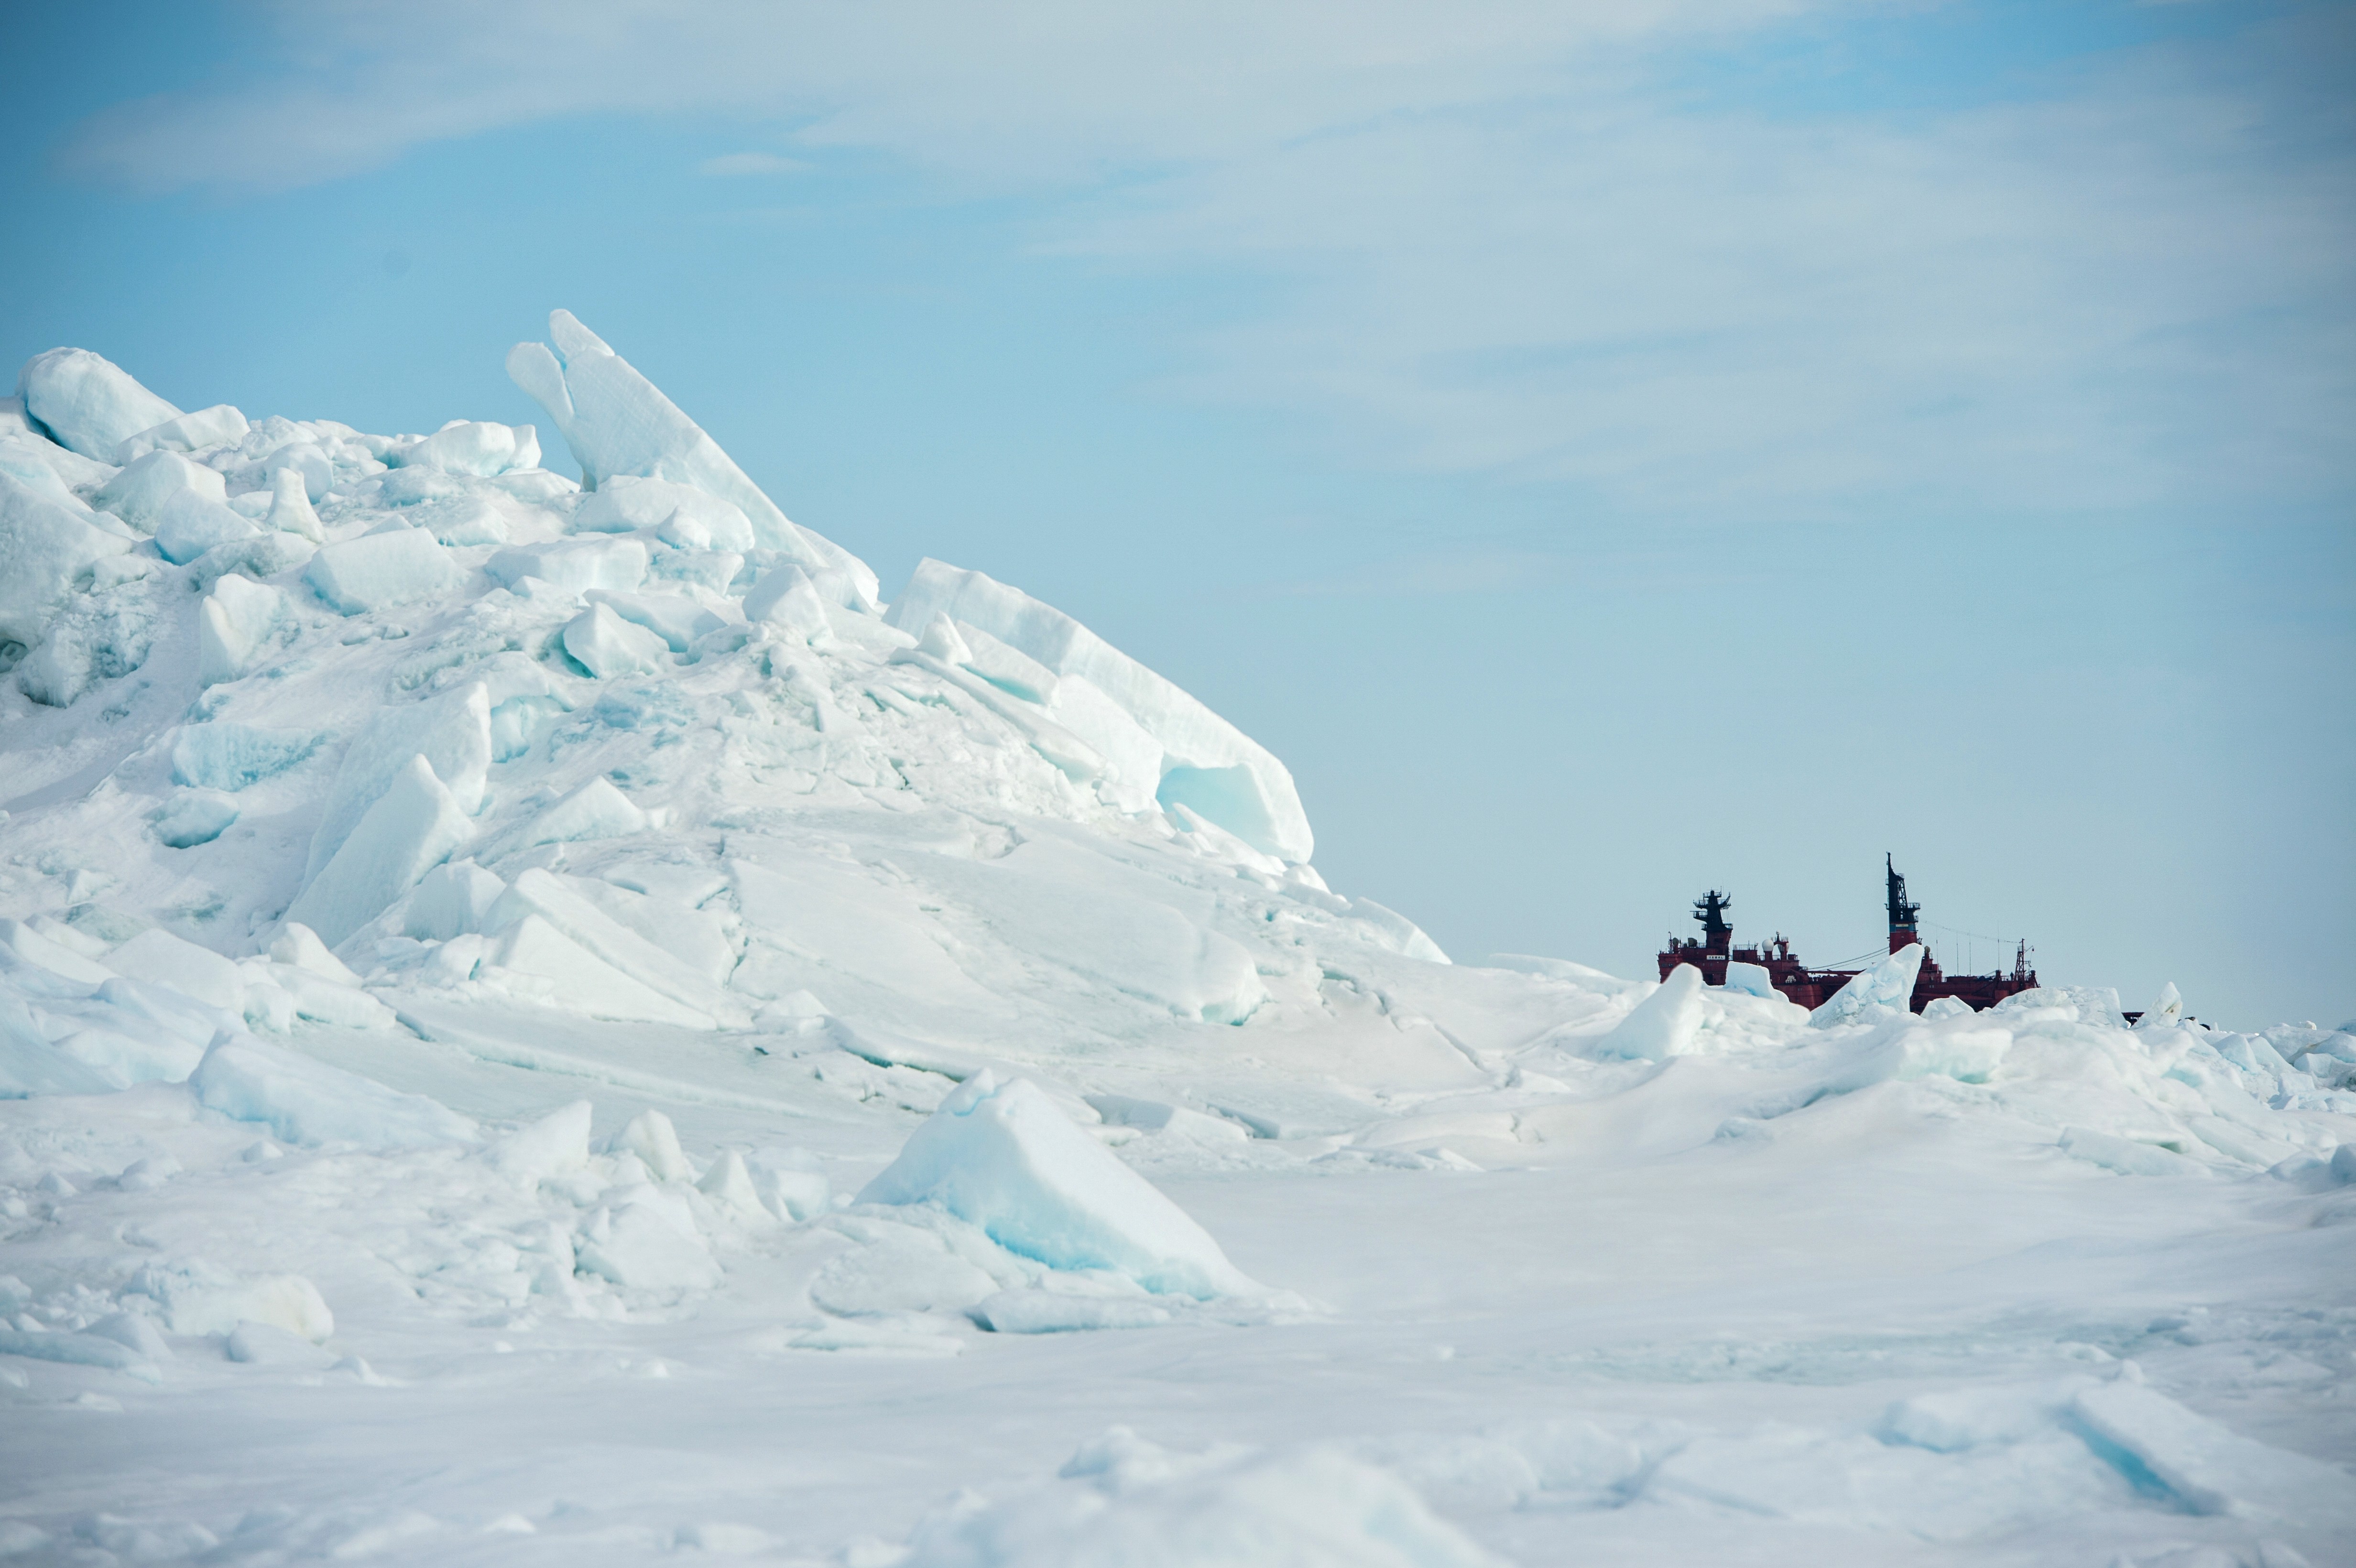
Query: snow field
{"type": "Point", "coordinates": [553, 1024]}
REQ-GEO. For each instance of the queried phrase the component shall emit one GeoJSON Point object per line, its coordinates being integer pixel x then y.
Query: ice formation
{"type": "Point", "coordinates": [549, 950]}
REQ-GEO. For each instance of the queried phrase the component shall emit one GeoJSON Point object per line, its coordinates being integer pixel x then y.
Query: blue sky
{"type": "Point", "coordinates": [1607, 450]}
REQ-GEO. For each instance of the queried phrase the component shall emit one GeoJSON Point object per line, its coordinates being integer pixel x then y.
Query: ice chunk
{"type": "Point", "coordinates": [1002, 1157]}
{"type": "Point", "coordinates": [158, 957]}
{"type": "Point", "coordinates": [304, 1101]}
{"type": "Point", "coordinates": [655, 1141]}
{"type": "Point", "coordinates": [216, 426]}
{"type": "Point", "coordinates": [1057, 1312]}
{"type": "Point", "coordinates": [2125, 1155]}
{"type": "Point", "coordinates": [1889, 984]}
{"type": "Point", "coordinates": [133, 1331]}
{"type": "Point", "coordinates": [299, 947]}
{"type": "Point", "coordinates": [76, 1349]}
{"type": "Point", "coordinates": [482, 449]}
{"type": "Point", "coordinates": [49, 469]}
{"type": "Point", "coordinates": [45, 547]}
{"type": "Point", "coordinates": [537, 960]}
{"type": "Point", "coordinates": [240, 621]}
{"type": "Point", "coordinates": [647, 1245]}
{"type": "Point", "coordinates": [1205, 762]}
{"type": "Point", "coordinates": [290, 506]}
{"type": "Point", "coordinates": [2166, 1012]}
{"type": "Point", "coordinates": [1391, 929]}
{"type": "Point", "coordinates": [464, 520]}
{"type": "Point", "coordinates": [1664, 1024]}
{"type": "Point", "coordinates": [2210, 1468]}
{"type": "Point", "coordinates": [34, 947]}
{"type": "Point", "coordinates": [617, 423]}
{"type": "Point", "coordinates": [326, 1001]}
{"type": "Point", "coordinates": [192, 817]}
{"type": "Point", "coordinates": [226, 756]}
{"type": "Point", "coordinates": [1939, 1008]}
{"type": "Point", "coordinates": [595, 810]}
{"type": "Point", "coordinates": [267, 1344]}
{"type": "Point", "coordinates": [555, 1145]}
{"type": "Point", "coordinates": [729, 1185]}
{"type": "Point", "coordinates": [188, 525]}
{"type": "Point", "coordinates": [541, 893]}
{"type": "Point", "coordinates": [97, 637]}
{"type": "Point", "coordinates": [787, 599]}
{"type": "Point", "coordinates": [86, 403]}
{"type": "Point", "coordinates": [376, 572]}
{"type": "Point", "coordinates": [684, 516]}
{"type": "Point", "coordinates": [31, 1064]}
{"type": "Point", "coordinates": [574, 565]}
{"type": "Point", "coordinates": [451, 732]}
{"type": "Point", "coordinates": [411, 828]}
{"type": "Point", "coordinates": [943, 641]}
{"type": "Point", "coordinates": [678, 619]}
{"type": "Point", "coordinates": [137, 495]}
{"type": "Point", "coordinates": [607, 646]}
{"type": "Point", "coordinates": [1751, 980]}
{"type": "Point", "coordinates": [452, 900]}
{"type": "Point", "coordinates": [310, 469]}
{"type": "Point", "coordinates": [287, 1302]}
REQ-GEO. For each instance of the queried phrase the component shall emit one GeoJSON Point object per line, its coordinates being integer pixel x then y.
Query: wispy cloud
{"type": "Point", "coordinates": [1502, 239]}
{"type": "Point", "coordinates": [729, 165]}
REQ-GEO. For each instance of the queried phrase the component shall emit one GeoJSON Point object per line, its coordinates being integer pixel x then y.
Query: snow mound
{"type": "Point", "coordinates": [1125, 1500]}
{"type": "Point", "coordinates": [1002, 1157]}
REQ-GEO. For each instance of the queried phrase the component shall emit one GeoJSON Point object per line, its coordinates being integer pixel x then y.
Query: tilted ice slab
{"type": "Point", "coordinates": [619, 425]}
{"type": "Point", "coordinates": [1159, 745]}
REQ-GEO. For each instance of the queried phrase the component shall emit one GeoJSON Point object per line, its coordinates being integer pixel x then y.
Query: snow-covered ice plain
{"type": "Point", "coordinates": [554, 1024]}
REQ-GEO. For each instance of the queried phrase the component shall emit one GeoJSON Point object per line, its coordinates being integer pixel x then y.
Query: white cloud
{"type": "Point", "coordinates": [1502, 242]}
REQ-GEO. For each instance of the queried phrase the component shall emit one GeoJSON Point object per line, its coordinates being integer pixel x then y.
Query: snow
{"type": "Point", "coordinates": [460, 1105]}
{"type": "Point", "coordinates": [1121, 1500]}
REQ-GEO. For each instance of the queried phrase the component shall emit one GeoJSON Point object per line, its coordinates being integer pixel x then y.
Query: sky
{"type": "Point", "coordinates": [1608, 451]}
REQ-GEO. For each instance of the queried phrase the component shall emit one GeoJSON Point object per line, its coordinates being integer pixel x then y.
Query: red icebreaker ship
{"type": "Point", "coordinates": [1814, 988]}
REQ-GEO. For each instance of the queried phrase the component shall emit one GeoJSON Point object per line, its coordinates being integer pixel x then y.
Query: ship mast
{"type": "Point", "coordinates": [1710, 911]}
{"type": "Point", "coordinates": [1901, 911]}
